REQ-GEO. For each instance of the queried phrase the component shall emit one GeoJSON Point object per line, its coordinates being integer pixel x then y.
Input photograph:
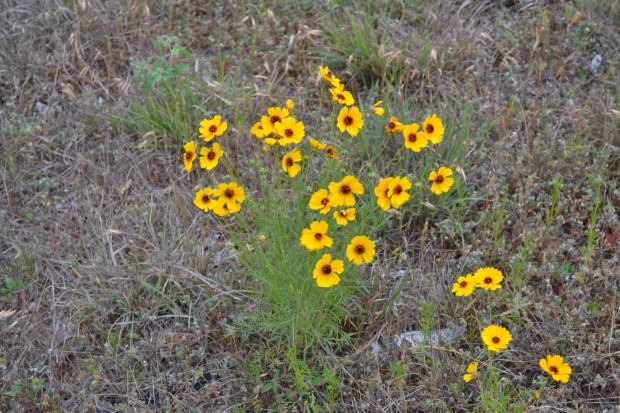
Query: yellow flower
{"type": "Point", "coordinates": [472, 368]}
{"type": "Point", "coordinates": [397, 191]}
{"type": "Point", "coordinates": [189, 155]}
{"type": "Point", "coordinates": [290, 130]}
{"type": "Point", "coordinates": [329, 76]}
{"type": "Point", "coordinates": [464, 286]}
{"type": "Point", "coordinates": [414, 139]}
{"type": "Point", "coordinates": [441, 180]}
{"type": "Point", "coordinates": [204, 200]}
{"type": "Point", "coordinates": [273, 139]}
{"type": "Point", "coordinates": [344, 216]}
{"type": "Point", "coordinates": [342, 96]}
{"type": "Point", "coordinates": [342, 193]}
{"type": "Point", "coordinates": [535, 395]}
{"type": "Point", "coordinates": [316, 145]}
{"type": "Point", "coordinates": [496, 338]}
{"type": "Point", "coordinates": [350, 120]}
{"type": "Point", "coordinates": [378, 111]}
{"type": "Point", "coordinates": [276, 114]}
{"type": "Point", "coordinates": [230, 193]}
{"type": "Point", "coordinates": [258, 131]}
{"type": "Point", "coordinates": [330, 152]}
{"type": "Point", "coordinates": [289, 163]}
{"type": "Point", "coordinates": [361, 249]}
{"type": "Point", "coordinates": [489, 278]}
{"type": "Point", "coordinates": [225, 207]}
{"type": "Point", "coordinates": [434, 128]}
{"type": "Point", "coordinates": [210, 128]}
{"type": "Point", "coordinates": [315, 237]}
{"type": "Point", "coordinates": [320, 200]}
{"type": "Point", "coordinates": [555, 366]}
{"type": "Point", "coordinates": [394, 126]}
{"type": "Point", "coordinates": [290, 104]}
{"type": "Point", "coordinates": [326, 271]}
{"type": "Point", "coordinates": [381, 191]}
{"type": "Point", "coordinates": [209, 158]}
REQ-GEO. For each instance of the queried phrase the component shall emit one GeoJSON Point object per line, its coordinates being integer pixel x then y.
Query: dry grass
{"type": "Point", "coordinates": [125, 299]}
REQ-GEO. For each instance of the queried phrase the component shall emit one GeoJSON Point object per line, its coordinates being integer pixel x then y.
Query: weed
{"type": "Point", "coordinates": [552, 211]}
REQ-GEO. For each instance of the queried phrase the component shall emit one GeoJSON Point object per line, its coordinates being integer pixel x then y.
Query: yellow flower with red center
{"type": "Point", "coordinates": [289, 163]}
{"type": "Point", "coordinates": [555, 366]}
{"type": "Point", "coordinates": [397, 191]}
{"type": "Point", "coordinates": [316, 145]}
{"type": "Point", "coordinates": [379, 111]}
{"type": "Point", "coordinates": [489, 278]}
{"type": "Point", "coordinates": [204, 199]}
{"type": "Point", "coordinates": [433, 128]}
{"type": "Point", "coordinates": [343, 216]}
{"type": "Point", "coordinates": [320, 200]}
{"type": "Point", "coordinates": [275, 115]}
{"type": "Point", "coordinates": [343, 193]}
{"type": "Point", "coordinates": [331, 152]}
{"type": "Point", "coordinates": [441, 180]}
{"type": "Point", "coordinates": [209, 158]}
{"type": "Point", "coordinates": [381, 191]}
{"type": "Point", "coordinates": [342, 96]}
{"type": "Point", "coordinates": [393, 126]}
{"type": "Point", "coordinates": [329, 76]}
{"type": "Point", "coordinates": [326, 271]}
{"type": "Point", "coordinates": [290, 130]}
{"type": "Point", "coordinates": [496, 338]}
{"type": "Point", "coordinates": [189, 155]}
{"type": "Point", "coordinates": [414, 138]}
{"type": "Point", "coordinates": [361, 249]}
{"type": "Point", "coordinates": [230, 193]}
{"type": "Point", "coordinates": [224, 207]}
{"type": "Point", "coordinates": [258, 131]}
{"type": "Point", "coordinates": [315, 237]}
{"type": "Point", "coordinates": [210, 128]}
{"type": "Point", "coordinates": [472, 368]}
{"type": "Point", "coordinates": [350, 119]}
{"type": "Point", "coordinates": [464, 286]}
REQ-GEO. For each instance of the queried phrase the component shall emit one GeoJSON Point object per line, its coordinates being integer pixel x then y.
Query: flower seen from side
{"type": "Point", "coordinates": [379, 111]}
{"type": "Point", "coordinates": [464, 286]}
{"type": "Point", "coordinates": [496, 338]}
{"type": "Point", "coordinates": [415, 139]}
{"type": "Point", "coordinates": [350, 119]}
{"type": "Point", "coordinates": [290, 104]}
{"type": "Point", "coordinates": [210, 128]}
{"type": "Point", "coordinates": [329, 76]}
{"type": "Point", "coordinates": [489, 278]}
{"type": "Point", "coordinates": [361, 249]}
{"type": "Point", "coordinates": [231, 193]}
{"type": "Point", "coordinates": [289, 163]}
{"type": "Point", "coordinates": [441, 180]}
{"type": "Point", "coordinates": [275, 115]}
{"type": "Point", "coordinates": [331, 152]}
{"type": "Point", "coordinates": [190, 155]}
{"type": "Point", "coordinates": [381, 191]}
{"type": "Point", "coordinates": [258, 131]}
{"type": "Point", "coordinates": [204, 199]}
{"type": "Point", "coordinates": [320, 200]}
{"type": "Point", "coordinates": [433, 128]}
{"type": "Point", "coordinates": [326, 271]}
{"type": "Point", "coordinates": [397, 191]}
{"type": "Point", "coordinates": [556, 367]}
{"type": "Point", "coordinates": [225, 207]}
{"type": "Point", "coordinates": [316, 145]}
{"type": "Point", "coordinates": [343, 216]}
{"type": "Point", "coordinates": [209, 158]}
{"type": "Point", "coordinates": [343, 193]}
{"type": "Point", "coordinates": [342, 96]}
{"type": "Point", "coordinates": [393, 126]}
{"type": "Point", "coordinates": [315, 237]}
{"type": "Point", "coordinates": [472, 368]}
{"type": "Point", "coordinates": [290, 130]}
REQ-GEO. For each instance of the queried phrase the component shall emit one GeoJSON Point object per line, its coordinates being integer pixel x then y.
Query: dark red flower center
{"type": "Point", "coordinates": [289, 162]}
{"type": "Point", "coordinates": [488, 280]}
{"type": "Point", "coordinates": [211, 155]}
{"type": "Point", "coordinates": [359, 249]}
{"type": "Point", "coordinates": [429, 128]}
{"type": "Point", "coordinates": [288, 133]}
{"type": "Point", "coordinates": [205, 198]}
{"type": "Point", "coordinates": [348, 120]}
{"type": "Point", "coordinates": [189, 155]}
{"type": "Point", "coordinates": [439, 179]}
{"type": "Point", "coordinates": [275, 119]}
{"type": "Point", "coordinates": [318, 236]}
{"type": "Point", "coordinates": [463, 284]}
{"type": "Point", "coordinates": [340, 96]}
{"type": "Point", "coordinates": [412, 137]}
{"type": "Point", "coordinates": [325, 201]}
{"type": "Point", "coordinates": [345, 189]}
{"type": "Point", "coordinates": [212, 128]}
{"type": "Point", "coordinates": [229, 193]}
{"type": "Point", "coordinates": [495, 340]}
{"type": "Point", "coordinates": [554, 369]}
{"type": "Point", "coordinates": [398, 189]}
{"type": "Point", "coordinates": [326, 269]}
{"type": "Point", "coordinates": [391, 125]}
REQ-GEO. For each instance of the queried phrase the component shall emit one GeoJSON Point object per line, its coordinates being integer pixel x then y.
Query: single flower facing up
{"type": "Point", "coordinates": [343, 216]}
{"type": "Point", "coordinates": [555, 366]}
{"type": "Point", "coordinates": [341, 96]}
{"type": "Point", "coordinates": [331, 152]}
{"type": "Point", "coordinates": [275, 115]}
{"type": "Point", "coordinates": [231, 193]}
{"type": "Point", "coordinates": [415, 139]}
{"type": "Point", "coordinates": [209, 158]}
{"type": "Point", "coordinates": [225, 207]}
{"type": "Point", "coordinates": [496, 338]}
{"type": "Point", "coordinates": [361, 249]}
{"type": "Point", "coordinates": [397, 191]}
{"type": "Point", "coordinates": [210, 128]}
{"type": "Point", "coordinates": [204, 199]}
{"type": "Point", "coordinates": [315, 238]}
{"type": "Point", "coordinates": [465, 286]}
{"type": "Point", "coordinates": [393, 126]}
{"type": "Point", "coordinates": [350, 119]}
{"type": "Point", "coordinates": [320, 200]}
{"type": "Point", "coordinates": [434, 128]}
{"type": "Point", "coordinates": [326, 271]}
{"type": "Point", "coordinates": [290, 130]}
{"type": "Point", "coordinates": [489, 278]}
{"type": "Point", "coordinates": [289, 163]}
{"type": "Point", "coordinates": [343, 193]}
{"type": "Point", "coordinates": [441, 180]}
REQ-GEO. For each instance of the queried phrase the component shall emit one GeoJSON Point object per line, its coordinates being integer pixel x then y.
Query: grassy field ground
{"type": "Point", "coordinates": [119, 295]}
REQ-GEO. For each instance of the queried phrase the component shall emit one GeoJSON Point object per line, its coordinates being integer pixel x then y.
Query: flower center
{"type": "Point", "coordinates": [429, 128]}
{"type": "Point", "coordinates": [275, 119]}
{"type": "Point", "coordinates": [495, 340]}
{"type": "Point", "coordinates": [340, 97]}
{"type": "Point", "coordinates": [439, 179]}
{"type": "Point", "coordinates": [392, 125]}
{"type": "Point", "coordinates": [343, 214]}
{"type": "Point", "coordinates": [329, 151]}
{"type": "Point", "coordinates": [554, 369]}
{"type": "Point", "coordinates": [463, 284]}
{"type": "Point", "coordinates": [289, 162]}
{"type": "Point", "coordinates": [229, 193]}
{"type": "Point", "coordinates": [359, 249]}
{"type": "Point", "coordinates": [345, 189]}
{"type": "Point", "coordinates": [189, 155]}
{"type": "Point", "coordinates": [318, 236]}
{"type": "Point", "coordinates": [288, 133]}
{"type": "Point", "coordinates": [412, 137]}
{"type": "Point", "coordinates": [325, 201]}
{"type": "Point", "coordinates": [212, 128]}
{"type": "Point", "coordinates": [205, 198]}
{"type": "Point", "coordinates": [225, 206]}
{"type": "Point", "coordinates": [327, 269]}
{"type": "Point", "coordinates": [211, 155]}
{"type": "Point", "coordinates": [488, 280]}
{"type": "Point", "coordinates": [348, 120]}
{"type": "Point", "coordinates": [398, 189]}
